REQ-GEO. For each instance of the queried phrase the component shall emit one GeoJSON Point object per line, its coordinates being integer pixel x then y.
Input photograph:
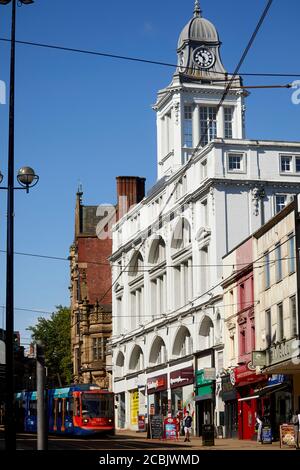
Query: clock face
{"type": "Point", "coordinates": [204, 58]}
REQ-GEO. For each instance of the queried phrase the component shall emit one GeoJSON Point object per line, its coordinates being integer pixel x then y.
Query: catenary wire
{"type": "Point", "coordinates": [137, 59]}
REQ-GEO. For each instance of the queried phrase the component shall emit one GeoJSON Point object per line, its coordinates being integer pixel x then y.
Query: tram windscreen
{"type": "Point", "coordinates": [96, 405]}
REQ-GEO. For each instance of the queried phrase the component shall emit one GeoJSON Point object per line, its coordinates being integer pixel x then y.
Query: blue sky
{"type": "Point", "coordinates": [89, 119]}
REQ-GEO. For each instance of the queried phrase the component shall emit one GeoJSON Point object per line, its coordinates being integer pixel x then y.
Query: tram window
{"type": "Point", "coordinates": [77, 406]}
{"type": "Point", "coordinates": [59, 407]}
{"type": "Point", "coordinates": [69, 406]}
{"type": "Point", "coordinates": [32, 408]}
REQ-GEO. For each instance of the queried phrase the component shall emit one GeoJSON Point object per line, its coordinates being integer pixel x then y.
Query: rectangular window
{"type": "Point", "coordinates": [204, 213]}
{"type": "Point", "coordinates": [286, 164]}
{"type": "Point", "coordinates": [293, 315]}
{"type": "Point", "coordinates": [292, 254]}
{"type": "Point", "coordinates": [188, 126]}
{"type": "Point", "coordinates": [278, 262]}
{"type": "Point", "coordinates": [280, 202]}
{"type": "Point", "coordinates": [235, 162]}
{"type": "Point", "coordinates": [280, 325]}
{"type": "Point", "coordinates": [242, 342]}
{"type": "Point", "coordinates": [267, 269]}
{"type": "Point", "coordinates": [208, 124]}
{"type": "Point", "coordinates": [204, 169]}
{"type": "Point", "coordinates": [99, 348]}
{"type": "Point", "coordinates": [297, 164]}
{"type": "Point", "coordinates": [242, 296]}
{"type": "Point", "coordinates": [228, 116]}
{"type": "Point", "coordinates": [268, 327]}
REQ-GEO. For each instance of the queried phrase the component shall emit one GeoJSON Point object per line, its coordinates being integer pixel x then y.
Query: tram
{"type": "Point", "coordinates": [76, 410]}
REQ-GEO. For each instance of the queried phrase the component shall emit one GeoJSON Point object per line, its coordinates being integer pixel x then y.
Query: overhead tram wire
{"type": "Point", "coordinates": [136, 59]}
{"type": "Point", "coordinates": [147, 267]}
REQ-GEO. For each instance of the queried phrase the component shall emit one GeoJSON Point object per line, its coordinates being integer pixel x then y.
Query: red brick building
{"type": "Point", "coordinates": [91, 304]}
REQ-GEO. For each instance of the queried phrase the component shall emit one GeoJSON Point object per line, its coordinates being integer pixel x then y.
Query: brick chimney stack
{"type": "Point", "coordinates": [130, 191]}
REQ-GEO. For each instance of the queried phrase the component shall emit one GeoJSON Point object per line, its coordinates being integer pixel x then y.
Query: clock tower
{"type": "Point", "coordinates": [187, 110]}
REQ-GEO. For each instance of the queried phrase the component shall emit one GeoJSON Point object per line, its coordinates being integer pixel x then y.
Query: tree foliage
{"type": "Point", "coordinates": [55, 333]}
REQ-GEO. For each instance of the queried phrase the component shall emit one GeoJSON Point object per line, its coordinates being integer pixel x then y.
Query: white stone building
{"type": "Point", "coordinates": [167, 302]}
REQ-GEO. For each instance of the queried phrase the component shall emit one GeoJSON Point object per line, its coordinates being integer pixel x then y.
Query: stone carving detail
{"type": "Point", "coordinates": [257, 195]}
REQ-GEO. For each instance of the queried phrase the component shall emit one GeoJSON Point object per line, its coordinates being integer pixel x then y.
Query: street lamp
{"type": "Point", "coordinates": [10, 423]}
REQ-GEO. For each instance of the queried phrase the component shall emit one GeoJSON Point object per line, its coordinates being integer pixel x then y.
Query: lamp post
{"type": "Point", "coordinates": [10, 424]}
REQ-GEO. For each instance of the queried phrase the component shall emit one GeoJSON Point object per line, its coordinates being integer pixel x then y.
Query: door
{"type": "Point", "coordinates": [121, 410]}
{"type": "Point", "coordinates": [248, 418]}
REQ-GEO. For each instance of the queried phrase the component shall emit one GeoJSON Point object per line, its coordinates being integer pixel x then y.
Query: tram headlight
{"type": "Point", "coordinates": [86, 420]}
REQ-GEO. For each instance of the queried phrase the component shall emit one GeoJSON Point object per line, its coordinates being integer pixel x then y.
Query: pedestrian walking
{"type": "Point", "coordinates": [259, 425]}
{"type": "Point", "coordinates": [187, 424]}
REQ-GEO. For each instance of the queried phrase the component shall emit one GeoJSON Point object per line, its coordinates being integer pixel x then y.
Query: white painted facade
{"type": "Point", "coordinates": [167, 299]}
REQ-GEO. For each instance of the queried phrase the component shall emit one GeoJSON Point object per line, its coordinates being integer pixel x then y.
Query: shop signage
{"type": "Point", "coordinates": [157, 384]}
{"type": "Point", "coordinates": [287, 435]}
{"type": "Point", "coordinates": [209, 373]}
{"type": "Point", "coordinates": [259, 358]}
{"type": "Point", "coordinates": [134, 406]}
{"type": "Point", "coordinates": [179, 378]}
{"type": "Point", "coordinates": [200, 380]}
{"type": "Point", "coordinates": [245, 375]}
{"type": "Point", "coordinates": [228, 389]}
{"type": "Point", "coordinates": [141, 423]}
{"type": "Point", "coordinates": [170, 428]}
{"type": "Point", "coordinates": [204, 390]}
{"type": "Point", "coordinates": [266, 435]}
{"type": "Point", "coordinates": [156, 426]}
{"type": "Point", "coordinates": [280, 352]}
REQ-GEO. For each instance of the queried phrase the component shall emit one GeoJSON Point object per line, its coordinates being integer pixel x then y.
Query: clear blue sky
{"type": "Point", "coordinates": [90, 119]}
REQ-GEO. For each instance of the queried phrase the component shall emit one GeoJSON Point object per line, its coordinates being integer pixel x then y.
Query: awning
{"type": "Point", "coordinates": [248, 398]}
{"type": "Point", "coordinates": [273, 388]}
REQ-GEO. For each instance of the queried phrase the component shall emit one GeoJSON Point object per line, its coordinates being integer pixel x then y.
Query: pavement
{"type": "Point", "coordinates": [220, 444]}
{"type": "Point", "coordinates": [132, 440]}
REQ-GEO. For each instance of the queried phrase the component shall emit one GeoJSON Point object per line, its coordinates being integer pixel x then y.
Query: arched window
{"type": "Point", "coordinates": [119, 371]}
{"type": "Point", "coordinates": [219, 332]}
{"type": "Point", "coordinates": [158, 352]}
{"type": "Point", "coordinates": [136, 265]}
{"type": "Point", "coordinates": [157, 253]}
{"type": "Point", "coordinates": [182, 345]}
{"type": "Point", "coordinates": [182, 236]}
{"type": "Point", "coordinates": [207, 332]}
{"type": "Point", "coordinates": [136, 361]}
{"type": "Point", "coordinates": [158, 277]}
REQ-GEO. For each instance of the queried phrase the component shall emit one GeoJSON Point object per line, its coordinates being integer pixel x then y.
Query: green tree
{"type": "Point", "coordinates": [55, 333]}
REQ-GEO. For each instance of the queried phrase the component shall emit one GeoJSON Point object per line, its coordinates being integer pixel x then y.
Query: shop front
{"type": "Point", "coordinates": [229, 396]}
{"type": "Point", "coordinates": [182, 391]}
{"type": "Point", "coordinates": [249, 401]}
{"type": "Point", "coordinates": [157, 390]}
{"type": "Point", "coordinates": [277, 400]}
{"type": "Point", "coordinates": [204, 399]}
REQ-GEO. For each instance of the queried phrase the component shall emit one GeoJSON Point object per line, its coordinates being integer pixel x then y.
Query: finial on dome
{"type": "Point", "coordinates": [197, 10]}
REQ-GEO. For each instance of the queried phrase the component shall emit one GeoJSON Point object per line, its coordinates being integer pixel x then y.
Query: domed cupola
{"type": "Point", "coordinates": [198, 29]}
{"type": "Point", "coordinates": [198, 48]}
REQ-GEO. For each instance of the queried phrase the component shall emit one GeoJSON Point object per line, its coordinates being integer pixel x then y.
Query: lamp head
{"type": "Point", "coordinates": [27, 177]}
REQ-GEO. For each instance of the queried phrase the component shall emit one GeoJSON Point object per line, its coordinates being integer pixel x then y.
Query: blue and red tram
{"type": "Point", "coordinates": [76, 410]}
